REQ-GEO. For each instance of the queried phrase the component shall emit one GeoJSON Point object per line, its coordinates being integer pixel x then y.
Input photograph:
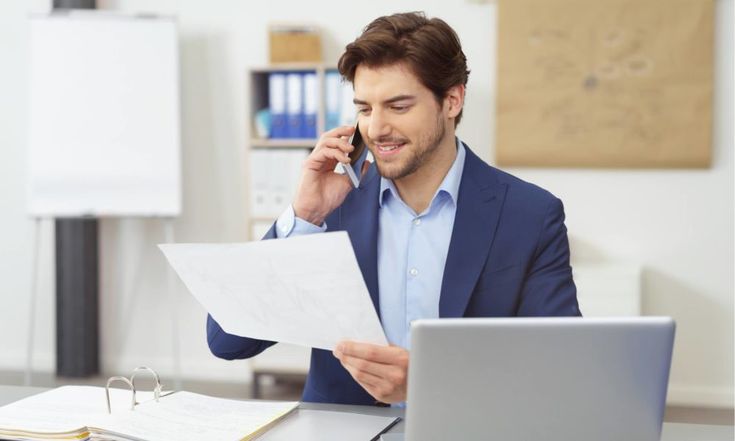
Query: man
{"type": "Point", "coordinates": [436, 231]}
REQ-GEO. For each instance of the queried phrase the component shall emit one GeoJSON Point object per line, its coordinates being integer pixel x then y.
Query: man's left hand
{"type": "Point", "coordinates": [381, 370]}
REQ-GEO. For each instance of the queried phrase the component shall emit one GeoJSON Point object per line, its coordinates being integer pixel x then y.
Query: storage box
{"type": "Point", "coordinates": [295, 43]}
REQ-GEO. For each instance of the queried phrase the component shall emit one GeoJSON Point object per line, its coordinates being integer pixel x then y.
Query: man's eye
{"type": "Point", "coordinates": [400, 108]}
{"type": "Point", "coordinates": [363, 111]}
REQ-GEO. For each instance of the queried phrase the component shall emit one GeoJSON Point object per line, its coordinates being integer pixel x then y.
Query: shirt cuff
{"type": "Point", "coordinates": [289, 225]}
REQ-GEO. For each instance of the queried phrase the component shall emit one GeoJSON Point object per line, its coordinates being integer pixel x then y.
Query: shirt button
{"type": "Point", "coordinates": [413, 272]}
{"type": "Point", "coordinates": [417, 222]}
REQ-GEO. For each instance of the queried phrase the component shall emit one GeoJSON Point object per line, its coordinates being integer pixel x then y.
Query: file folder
{"type": "Point", "coordinates": [311, 93]}
{"type": "Point", "coordinates": [277, 104]}
{"type": "Point", "coordinates": [260, 178]}
{"type": "Point", "coordinates": [332, 99]}
{"type": "Point", "coordinates": [294, 104]}
{"type": "Point", "coordinates": [274, 177]}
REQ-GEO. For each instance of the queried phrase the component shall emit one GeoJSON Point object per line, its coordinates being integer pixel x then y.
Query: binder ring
{"type": "Point", "coordinates": [156, 388]}
{"type": "Point", "coordinates": [107, 391]}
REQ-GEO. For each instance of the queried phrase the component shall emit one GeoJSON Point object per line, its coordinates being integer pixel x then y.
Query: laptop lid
{"type": "Point", "coordinates": [546, 379]}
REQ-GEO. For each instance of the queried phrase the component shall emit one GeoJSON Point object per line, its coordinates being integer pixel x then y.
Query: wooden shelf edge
{"type": "Point", "coordinates": [283, 143]}
{"type": "Point", "coordinates": [292, 67]}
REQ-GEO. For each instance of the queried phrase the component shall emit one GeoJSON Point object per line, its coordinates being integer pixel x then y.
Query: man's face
{"type": "Point", "coordinates": [399, 119]}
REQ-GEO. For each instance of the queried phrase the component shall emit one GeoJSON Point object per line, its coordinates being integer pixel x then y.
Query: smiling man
{"type": "Point", "coordinates": [436, 231]}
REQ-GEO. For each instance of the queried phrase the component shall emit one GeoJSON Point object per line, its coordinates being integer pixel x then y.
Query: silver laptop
{"type": "Point", "coordinates": [530, 379]}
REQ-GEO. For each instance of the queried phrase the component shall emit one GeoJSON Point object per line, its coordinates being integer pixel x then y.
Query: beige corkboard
{"type": "Point", "coordinates": [605, 83]}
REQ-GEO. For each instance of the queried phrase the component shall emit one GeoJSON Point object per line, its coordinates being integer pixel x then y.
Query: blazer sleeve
{"type": "Point", "coordinates": [229, 346]}
{"type": "Point", "coordinates": [549, 289]}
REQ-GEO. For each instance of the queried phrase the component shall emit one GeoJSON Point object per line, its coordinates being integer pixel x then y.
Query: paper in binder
{"type": "Point", "coordinates": [260, 178]}
{"type": "Point", "coordinates": [311, 93]}
{"type": "Point", "coordinates": [294, 104]}
{"type": "Point", "coordinates": [274, 177]}
{"type": "Point", "coordinates": [277, 104]}
{"type": "Point", "coordinates": [333, 96]}
{"type": "Point", "coordinates": [285, 172]}
{"type": "Point", "coordinates": [90, 412]}
{"type": "Point", "coordinates": [280, 182]}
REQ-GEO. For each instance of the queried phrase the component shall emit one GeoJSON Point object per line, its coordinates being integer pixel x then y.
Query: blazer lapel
{"type": "Point", "coordinates": [360, 220]}
{"type": "Point", "coordinates": [479, 203]}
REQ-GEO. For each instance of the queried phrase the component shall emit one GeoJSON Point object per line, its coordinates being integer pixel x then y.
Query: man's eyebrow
{"type": "Point", "coordinates": [388, 101]}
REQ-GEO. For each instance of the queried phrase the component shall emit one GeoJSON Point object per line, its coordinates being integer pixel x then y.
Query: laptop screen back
{"type": "Point", "coordinates": [538, 378]}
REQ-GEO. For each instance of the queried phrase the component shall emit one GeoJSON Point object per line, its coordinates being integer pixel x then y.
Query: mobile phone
{"type": "Point", "coordinates": [357, 142]}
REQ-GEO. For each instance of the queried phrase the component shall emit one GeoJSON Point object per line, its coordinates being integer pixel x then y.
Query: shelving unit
{"type": "Point", "coordinates": [282, 361]}
{"type": "Point", "coordinates": [258, 100]}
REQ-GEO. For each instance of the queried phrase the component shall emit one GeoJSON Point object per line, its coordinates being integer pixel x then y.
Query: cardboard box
{"type": "Point", "coordinates": [295, 43]}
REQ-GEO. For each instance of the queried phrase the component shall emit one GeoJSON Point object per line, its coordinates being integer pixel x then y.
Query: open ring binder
{"type": "Point", "coordinates": [156, 389]}
{"type": "Point", "coordinates": [77, 413]}
{"type": "Point", "coordinates": [131, 384]}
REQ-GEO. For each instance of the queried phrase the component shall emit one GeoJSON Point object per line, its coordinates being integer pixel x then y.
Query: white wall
{"type": "Point", "coordinates": [677, 224]}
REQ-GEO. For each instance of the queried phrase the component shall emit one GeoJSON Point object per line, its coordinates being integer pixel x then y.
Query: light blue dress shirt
{"type": "Point", "coordinates": [412, 251]}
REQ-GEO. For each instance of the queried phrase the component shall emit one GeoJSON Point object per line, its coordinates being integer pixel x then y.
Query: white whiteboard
{"type": "Point", "coordinates": [104, 130]}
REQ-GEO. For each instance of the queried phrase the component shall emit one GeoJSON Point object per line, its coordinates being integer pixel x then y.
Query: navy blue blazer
{"type": "Point", "coordinates": [508, 256]}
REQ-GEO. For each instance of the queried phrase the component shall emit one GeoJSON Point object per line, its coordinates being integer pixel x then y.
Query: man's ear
{"type": "Point", "coordinates": [454, 100]}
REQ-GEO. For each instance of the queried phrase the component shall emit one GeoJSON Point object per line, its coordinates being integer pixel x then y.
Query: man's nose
{"type": "Point", "coordinates": [378, 126]}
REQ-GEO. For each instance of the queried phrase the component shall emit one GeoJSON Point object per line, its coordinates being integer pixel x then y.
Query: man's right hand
{"type": "Point", "coordinates": [320, 189]}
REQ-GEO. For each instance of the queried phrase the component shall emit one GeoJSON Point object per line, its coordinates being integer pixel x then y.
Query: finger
{"type": "Point", "coordinates": [375, 353]}
{"type": "Point", "coordinates": [380, 370]}
{"type": "Point", "coordinates": [374, 388]}
{"type": "Point", "coordinates": [339, 132]}
{"type": "Point", "coordinates": [335, 143]}
{"type": "Point", "coordinates": [366, 379]}
{"type": "Point", "coordinates": [381, 389]}
{"type": "Point", "coordinates": [329, 157]}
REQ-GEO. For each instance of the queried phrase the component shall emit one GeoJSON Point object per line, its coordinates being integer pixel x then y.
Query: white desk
{"type": "Point", "coordinates": [299, 422]}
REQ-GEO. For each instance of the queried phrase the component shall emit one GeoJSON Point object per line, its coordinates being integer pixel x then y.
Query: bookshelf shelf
{"type": "Point", "coordinates": [277, 162]}
{"type": "Point", "coordinates": [292, 67]}
{"type": "Point", "coordinates": [282, 143]}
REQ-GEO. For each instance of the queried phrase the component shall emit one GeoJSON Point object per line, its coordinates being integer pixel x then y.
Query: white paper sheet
{"type": "Point", "coordinates": [306, 290]}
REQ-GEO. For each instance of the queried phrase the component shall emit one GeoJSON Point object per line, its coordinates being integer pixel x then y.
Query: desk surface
{"type": "Point", "coordinates": [291, 425]}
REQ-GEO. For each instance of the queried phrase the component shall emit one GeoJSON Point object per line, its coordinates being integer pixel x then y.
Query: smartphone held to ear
{"type": "Point", "coordinates": [357, 142]}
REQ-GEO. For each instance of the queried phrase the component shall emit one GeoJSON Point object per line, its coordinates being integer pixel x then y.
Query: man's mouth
{"type": "Point", "coordinates": [389, 148]}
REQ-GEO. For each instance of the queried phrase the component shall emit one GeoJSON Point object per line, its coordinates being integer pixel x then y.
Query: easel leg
{"type": "Point", "coordinates": [28, 378]}
{"type": "Point", "coordinates": [175, 349]}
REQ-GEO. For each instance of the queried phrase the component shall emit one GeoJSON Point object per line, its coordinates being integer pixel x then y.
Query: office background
{"type": "Point", "coordinates": [676, 224]}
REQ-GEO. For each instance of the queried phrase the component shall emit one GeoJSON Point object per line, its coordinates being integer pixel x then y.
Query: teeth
{"type": "Point", "coordinates": [388, 148]}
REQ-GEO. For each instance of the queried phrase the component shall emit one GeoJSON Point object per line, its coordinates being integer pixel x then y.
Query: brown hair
{"type": "Point", "coordinates": [429, 47]}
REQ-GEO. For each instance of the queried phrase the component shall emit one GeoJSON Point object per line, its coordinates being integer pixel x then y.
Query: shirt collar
{"type": "Point", "coordinates": [449, 186]}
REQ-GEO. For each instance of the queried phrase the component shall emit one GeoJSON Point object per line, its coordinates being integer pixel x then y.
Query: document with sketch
{"type": "Point", "coordinates": [305, 290]}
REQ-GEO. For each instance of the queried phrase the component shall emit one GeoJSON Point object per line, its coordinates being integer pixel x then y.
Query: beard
{"type": "Point", "coordinates": [424, 148]}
